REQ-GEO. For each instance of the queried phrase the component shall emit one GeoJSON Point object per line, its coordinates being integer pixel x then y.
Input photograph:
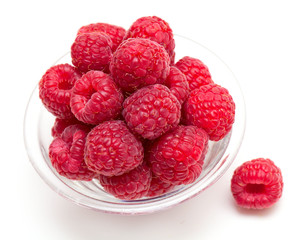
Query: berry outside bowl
{"type": "Point", "coordinates": [37, 136]}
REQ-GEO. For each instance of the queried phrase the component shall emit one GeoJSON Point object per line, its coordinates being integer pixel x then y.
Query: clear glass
{"type": "Point", "coordinates": [37, 137]}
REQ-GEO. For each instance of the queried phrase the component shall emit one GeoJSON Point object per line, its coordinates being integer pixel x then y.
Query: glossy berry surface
{"type": "Point", "coordinates": [111, 149]}
{"type": "Point", "coordinates": [67, 153]}
{"type": "Point", "coordinates": [155, 29]}
{"type": "Point", "coordinates": [128, 186]}
{"type": "Point", "coordinates": [212, 108]}
{"type": "Point", "coordinates": [139, 62]}
{"type": "Point", "coordinates": [196, 72]}
{"type": "Point", "coordinates": [96, 98]}
{"type": "Point", "coordinates": [257, 184]}
{"type": "Point", "coordinates": [116, 33]}
{"type": "Point", "coordinates": [151, 111]}
{"type": "Point", "coordinates": [177, 157]}
{"type": "Point", "coordinates": [91, 51]}
{"type": "Point", "coordinates": [55, 89]}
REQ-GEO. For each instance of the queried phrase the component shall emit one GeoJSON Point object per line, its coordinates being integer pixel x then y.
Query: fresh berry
{"type": "Point", "coordinates": [96, 98]}
{"type": "Point", "coordinates": [111, 149]}
{"type": "Point", "coordinates": [196, 72]}
{"type": "Point", "coordinates": [151, 111]}
{"type": "Point", "coordinates": [155, 29]}
{"type": "Point", "coordinates": [115, 33]}
{"type": "Point", "coordinates": [139, 62]}
{"type": "Point", "coordinates": [178, 84]}
{"type": "Point", "coordinates": [129, 186]}
{"type": "Point", "coordinates": [60, 125]}
{"type": "Point", "coordinates": [67, 153]}
{"type": "Point", "coordinates": [91, 51]}
{"type": "Point", "coordinates": [257, 184]}
{"type": "Point", "coordinates": [212, 108]}
{"type": "Point", "coordinates": [55, 89]}
{"type": "Point", "coordinates": [178, 156]}
{"type": "Point", "coordinates": [158, 187]}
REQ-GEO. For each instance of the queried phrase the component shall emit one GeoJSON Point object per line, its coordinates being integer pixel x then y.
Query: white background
{"type": "Point", "coordinates": [260, 42]}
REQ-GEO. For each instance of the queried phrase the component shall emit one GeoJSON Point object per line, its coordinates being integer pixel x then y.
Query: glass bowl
{"type": "Point", "coordinates": [37, 136]}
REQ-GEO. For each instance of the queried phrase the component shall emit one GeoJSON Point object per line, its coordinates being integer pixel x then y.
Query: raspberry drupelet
{"type": "Point", "coordinates": [151, 111]}
{"type": "Point", "coordinates": [257, 184]}
{"type": "Point", "coordinates": [212, 108]}
{"type": "Point", "coordinates": [67, 153]}
{"type": "Point", "coordinates": [96, 98]}
{"type": "Point", "coordinates": [139, 62]}
{"type": "Point", "coordinates": [177, 157]}
{"type": "Point", "coordinates": [55, 89]}
{"type": "Point", "coordinates": [111, 149]}
{"type": "Point", "coordinates": [116, 33]}
{"type": "Point", "coordinates": [155, 29]}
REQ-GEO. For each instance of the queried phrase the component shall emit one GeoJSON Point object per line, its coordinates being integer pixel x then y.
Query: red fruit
{"type": "Point", "coordinates": [55, 89]}
{"type": "Point", "coordinates": [155, 29]}
{"type": "Point", "coordinates": [212, 108]}
{"type": "Point", "coordinates": [60, 125]}
{"type": "Point", "coordinates": [115, 33]}
{"type": "Point", "coordinates": [158, 187]}
{"type": "Point", "coordinates": [66, 153]}
{"type": "Point", "coordinates": [96, 98]}
{"type": "Point", "coordinates": [178, 84]}
{"type": "Point", "coordinates": [257, 184]}
{"type": "Point", "coordinates": [111, 149]}
{"type": "Point", "coordinates": [196, 72]}
{"type": "Point", "coordinates": [129, 186]}
{"type": "Point", "coordinates": [91, 51]}
{"type": "Point", "coordinates": [139, 62]}
{"type": "Point", "coordinates": [151, 111]}
{"type": "Point", "coordinates": [177, 157]}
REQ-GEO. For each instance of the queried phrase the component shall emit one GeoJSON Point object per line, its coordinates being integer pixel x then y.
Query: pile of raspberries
{"type": "Point", "coordinates": [130, 116]}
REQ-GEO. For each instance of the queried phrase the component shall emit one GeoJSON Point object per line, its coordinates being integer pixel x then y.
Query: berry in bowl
{"type": "Point", "coordinates": [122, 124]}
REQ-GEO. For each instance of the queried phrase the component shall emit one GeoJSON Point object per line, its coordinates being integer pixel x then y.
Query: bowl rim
{"type": "Point", "coordinates": [138, 207]}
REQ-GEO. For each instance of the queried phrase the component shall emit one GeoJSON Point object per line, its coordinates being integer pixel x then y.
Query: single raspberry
{"type": "Point", "coordinates": [129, 186]}
{"type": "Point", "coordinates": [91, 51]}
{"type": "Point", "coordinates": [67, 153]}
{"type": "Point", "coordinates": [155, 29]}
{"type": "Point", "coordinates": [115, 33]}
{"type": "Point", "coordinates": [96, 98]}
{"type": "Point", "coordinates": [139, 62]}
{"type": "Point", "coordinates": [158, 187]}
{"type": "Point", "coordinates": [257, 184]}
{"type": "Point", "coordinates": [60, 125]}
{"type": "Point", "coordinates": [55, 89]}
{"type": "Point", "coordinates": [196, 72]}
{"type": "Point", "coordinates": [178, 156]}
{"type": "Point", "coordinates": [111, 149]}
{"type": "Point", "coordinates": [178, 84]}
{"type": "Point", "coordinates": [212, 108]}
{"type": "Point", "coordinates": [151, 111]}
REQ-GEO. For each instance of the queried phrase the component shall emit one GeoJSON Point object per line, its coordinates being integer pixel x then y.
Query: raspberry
{"type": "Point", "coordinates": [129, 186]}
{"type": "Point", "coordinates": [67, 153]}
{"type": "Point", "coordinates": [91, 51]}
{"type": "Point", "coordinates": [212, 108]}
{"type": "Point", "coordinates": [158, 187]}
{"type": "Point", "coordinates": [177, 157]}
{"type": "Point", "coordinates": [55, 89]}
{"type": "Point", "coordinates": [60, 125]}
{"type": "Point", "coordinates": [155, 29]}
{"type": "Point", "coordinates": [151, 111]}
{"type": "Point", "coordinates": [257, 184]}
{"type": "Point", "coordinates": [96, 98]}
{"type": "Point", "coordinates": [115, 33]}
{"type": "Point", "coordinates": [178, 84]}
{"type": "Point", "coordinates": [111, 149]}
{"type": "Point", "coordinates": [196, 72]}
{"type": "Point", "coordinates": [139, 62]}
